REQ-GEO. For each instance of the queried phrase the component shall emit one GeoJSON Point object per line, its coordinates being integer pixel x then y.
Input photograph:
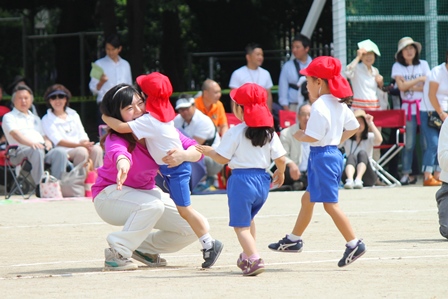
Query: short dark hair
{"type": "Point", "coordinates": [306, 42]}
{"type": "Point", "coordinates": [114, 40]}
{"type": "Point", "coordinates": [251, 47]}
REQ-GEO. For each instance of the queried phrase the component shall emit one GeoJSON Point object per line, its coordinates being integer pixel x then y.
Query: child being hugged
{"type": "Point", "coordinates": [331, 123]}
{"type": "Point", "coordinates": [157, 127]}
{"type": "Point", "coordinates": [248, 149]}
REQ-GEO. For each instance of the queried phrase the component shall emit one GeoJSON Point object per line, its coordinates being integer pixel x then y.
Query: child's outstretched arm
{"type": "Point", "coordinates": [301, 136]}
{"type": "Point", "coordinates": [210, 152]}
{"type": "Point", "coordinates": [347, 134]}
{"type": "Point", "coordinates": [279, 174]}
{"type": "Point", "coordinates": [116, 124]}
{"type": "Point", "coordinates": [176, 156]}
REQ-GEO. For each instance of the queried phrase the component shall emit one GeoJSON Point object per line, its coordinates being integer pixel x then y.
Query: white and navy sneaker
{"type": "Point", "coordinates": [286, 245]}
{"type": "Point", "coordinates": [352, 254]}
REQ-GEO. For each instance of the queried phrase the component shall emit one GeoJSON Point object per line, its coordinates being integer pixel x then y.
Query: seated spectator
{"type": "Point", "coordinates": [297, 152]}
{"type": "Point", "coordinates": [359, 151]}
{"type": "Point", "coordinates": [209, 104]}
{"type": "Point", "coordinates": [3, 110]}
{"type": "Point", "coordinates": [200, 127]}
{"type": "Point", "coordinates": [24, 129]}
{"type": "Point", "coordinates": [62, 125]}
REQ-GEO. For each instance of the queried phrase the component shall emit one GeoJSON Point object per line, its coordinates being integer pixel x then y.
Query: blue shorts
{"type": "Point", "coordinates": [247, 191]}
{"type": "Point", "coordinates": [325, 166]}
{"type": "Point", "coordinates": [178, 182]}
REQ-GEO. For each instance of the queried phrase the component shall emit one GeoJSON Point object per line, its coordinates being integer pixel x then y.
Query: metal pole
{"type": "Point", "coordinates": [312, 17]}
{"type": "Point", "coordinates": [24, 45]}
{"type": "Point", "coordinates": [211, 61]}
{"type": "Point", "coordinates": [339, 31]}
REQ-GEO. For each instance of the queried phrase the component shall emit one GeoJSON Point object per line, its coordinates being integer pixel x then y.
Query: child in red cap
{"type": "Point", "coordinates": [161, 137]}
{"type": "Point", "coordinates": [248, 149]}
{"type": "Point", "coordinates": [331, 123]}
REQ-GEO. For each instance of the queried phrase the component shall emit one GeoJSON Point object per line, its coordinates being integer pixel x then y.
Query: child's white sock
{"type": "Point", "coordinates": [206, 241]}
{"type": "Point", "coordinates": [294, 238]}
{"type": "Point", "coordinates": [353, 243]}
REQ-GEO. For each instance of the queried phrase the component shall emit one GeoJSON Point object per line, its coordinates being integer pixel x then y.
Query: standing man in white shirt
{"type": "Point", "coordinates": [116, 70]}
{"type": "Point", "coordinates": [252, 72]}
{"type": "Point", "coordinates": [290, 82]}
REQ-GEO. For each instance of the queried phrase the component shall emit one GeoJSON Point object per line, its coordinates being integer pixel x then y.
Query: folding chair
{"type": "Point", "coordinates": [287, 118]}
{"type": "Point", "coordinates": [396, 121]}
{"type": "Point", "coordinates": [232, 120]}
{"type": "Point", "coordinates": [21, 173]}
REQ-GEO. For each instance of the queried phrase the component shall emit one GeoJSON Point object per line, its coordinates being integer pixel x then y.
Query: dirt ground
{"type": "Point", "coordinates": [55, 249]}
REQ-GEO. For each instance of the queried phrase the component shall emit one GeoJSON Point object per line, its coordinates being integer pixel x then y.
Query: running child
{"type": "Point", "coordinates": [161, 136]}
{"type": "Point", "coordinates": [248, 149]}
{"type": "Point", "coordinates": [331, 123]}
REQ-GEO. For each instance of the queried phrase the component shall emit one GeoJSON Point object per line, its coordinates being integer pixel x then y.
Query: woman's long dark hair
{"type": "Point", "coordinates": [114, 100]}
{"type": "Point", "coordinates": [365, 132]}
{"type": "Point", "coordinates": [402, 61]}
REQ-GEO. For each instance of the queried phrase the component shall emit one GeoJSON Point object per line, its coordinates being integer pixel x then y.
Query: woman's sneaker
{"type": "Point", "coordinates": [151, 260]}
{"type": "Point", "coordinates": [286, 245]}
{"type": "Point", "coordinates": [254, 267]}
{"type": "Point", "coordinates": [352, 254]}
{"type": "Point", "coordinates": [358, 184]}
{"type": "Point", "coordinates": [116, 262]}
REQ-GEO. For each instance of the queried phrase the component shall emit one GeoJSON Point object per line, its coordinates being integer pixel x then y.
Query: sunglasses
{"type": "Point", "coordinates": [58, 96]}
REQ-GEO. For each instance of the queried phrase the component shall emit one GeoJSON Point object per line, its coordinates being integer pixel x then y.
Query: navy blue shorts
{"type": "Point", "coordinates": [325, 166]}
{"type": "Point", "coordinates": [178, 182]}
{"type": "Point", "coordinates": [247, 191]}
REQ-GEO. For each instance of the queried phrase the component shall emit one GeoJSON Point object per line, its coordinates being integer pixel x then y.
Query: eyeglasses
{"type": "Point", "coordinates": [58, 96]}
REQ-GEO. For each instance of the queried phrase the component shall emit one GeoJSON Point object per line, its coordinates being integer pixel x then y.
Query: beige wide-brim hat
{"type": "Point", "coordinates": [406, 41]}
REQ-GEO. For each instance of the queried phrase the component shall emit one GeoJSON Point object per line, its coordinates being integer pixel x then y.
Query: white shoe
{"type": "Point", "coordinates": [358, 184]}
{"type": "Point", "coordinates": [348, 184]}
{"type": "Point", "coordinates": [115, 262]}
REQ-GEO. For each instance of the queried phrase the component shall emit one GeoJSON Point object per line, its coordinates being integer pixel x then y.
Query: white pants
{"type": "Point", "coordinates": [139, 212]}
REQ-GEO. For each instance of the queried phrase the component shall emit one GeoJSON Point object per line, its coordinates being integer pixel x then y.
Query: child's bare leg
{"type": "Point", "coordinates": [305, 215]}
{"type": "Point", "coordinates": [246, 239]}
{"type": "Point", "coordinates": [253, 230]}
{"type": "Point", "coordinates": [341, 220]}
{"type": "Point", "coordinates": [194, 219]}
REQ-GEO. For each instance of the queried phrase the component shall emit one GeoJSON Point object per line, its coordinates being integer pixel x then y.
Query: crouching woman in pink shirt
{"type": "Point", "coordinates": [125, 193]}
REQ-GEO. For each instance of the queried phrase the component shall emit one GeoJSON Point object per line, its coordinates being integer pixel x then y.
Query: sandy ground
{"type": "Point", "coordinates": [55, 249]}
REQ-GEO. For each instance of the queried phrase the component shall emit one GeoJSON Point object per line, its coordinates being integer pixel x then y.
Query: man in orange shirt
{"type": "Point", "coordinates": [209, 104]}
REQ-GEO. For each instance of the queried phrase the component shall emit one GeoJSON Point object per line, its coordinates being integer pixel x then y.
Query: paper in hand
{"type": "Point", "coordinates": [96, 71]}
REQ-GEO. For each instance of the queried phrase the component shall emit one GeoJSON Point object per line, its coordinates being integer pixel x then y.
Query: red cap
{"type": "Point", "coordinates": [253, 98]}
{"type": "Point", "coordinates": [327, 67]}
{"type": "Point", "coordinates": [158, 89]}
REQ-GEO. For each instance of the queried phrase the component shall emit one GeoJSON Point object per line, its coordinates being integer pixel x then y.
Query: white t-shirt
{"type": "Point", "coordinates": [242, 154]}
{"type": "Point", "coordinates": [244, 75]}
{"type": "Point", "coordinates": [116, 72]}
{"type": "Point", "coordinates": [200, 126]}
{"type": "Point", "coordinates": [439, 74]}
{"type": "Point", "coordinates": [328, 119]}
{"type": "Point", "coordinates": [410, 72]}
{"type": "Point", "coordinates": [159, 137]}
{"type": "Point", "coordinates": [70, 129]}
{"type": "Point", "coordinates": [29, 125]}
{"type": "Point", "coordinates": [352, 147]}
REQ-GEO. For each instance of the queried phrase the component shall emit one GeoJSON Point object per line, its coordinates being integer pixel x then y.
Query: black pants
{"type": "Point", "coordinates": [369, 178]}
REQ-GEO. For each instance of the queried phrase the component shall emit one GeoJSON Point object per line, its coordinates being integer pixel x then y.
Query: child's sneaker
{"type": "Point", "coordinates": [151, 260]}
{"type": "Point", "coordinates": [286, 245]}
{"type": "Point", "coordinates": [212, 254]}
{"type": "Point", "coordinates": [115, 262]}
{"type": "Point", "coordinates": [352, 254]}
{"type": "Point", "coordinates": [242, 263]}
{"type": "Point", "coordinates": [254, 267]}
